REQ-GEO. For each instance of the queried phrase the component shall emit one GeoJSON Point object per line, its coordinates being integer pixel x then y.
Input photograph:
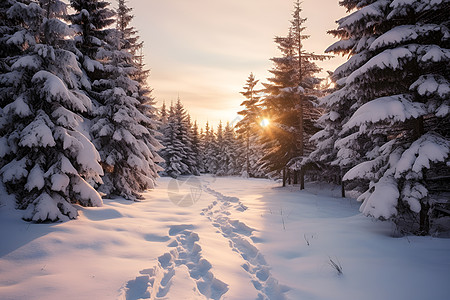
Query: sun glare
{"type": "Point", "coordinates": [265, 122]}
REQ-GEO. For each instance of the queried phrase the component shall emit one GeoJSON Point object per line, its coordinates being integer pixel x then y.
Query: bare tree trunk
{"type": "Point", "coordinates": [284, 176]}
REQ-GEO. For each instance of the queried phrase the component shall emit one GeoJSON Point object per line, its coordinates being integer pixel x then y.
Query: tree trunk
{"type": "Point", "coordinates": [424, 228]}
{"type": "Point", "coordinates": [295, 177]}
{"type": "Point", "coordinates": [284, 177]}
{"type": "Point", "coordinates": [342, 184]}
{"type": "Point", "coordinates": [302, 179]}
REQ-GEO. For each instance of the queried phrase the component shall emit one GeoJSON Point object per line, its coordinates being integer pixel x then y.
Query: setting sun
{"type": "Point", "coordinates": [265, 122]}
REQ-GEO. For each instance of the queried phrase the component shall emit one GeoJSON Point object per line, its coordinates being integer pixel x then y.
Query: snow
{"type": "Point", "coordinates": [435, 53]}
{"type": "Point", "coordinates": [382, 202]}
{"type": "Point", "coordinates": [428, 148]}
{"type": "Point", "coordinates": [428, 85]}
{"type": "Point", "coordinates": [29, 62]}
{"type": "Point", "coordinates": [15, 170]}
{"type": "Point", "coordinates": [18, 107]}
{"type": "Point", "coordinates": [59, 182]}
{"type": "Point", "coordinates": [397, 108]}
{"type": "Point", "coordinates": [389, 58]}
{"type": "Point", "coordinates": [35, 179]}
{"type": "Point", "coordinates": [374, 11]}
{"type": "Point", "coordinates": [38, 132]}
{"type": "Point", "coordinates": [241, 238]}
{"type": "Point", "coordinates": [54, 89]}
{"type": "Point", "coordinates": [396, 35]}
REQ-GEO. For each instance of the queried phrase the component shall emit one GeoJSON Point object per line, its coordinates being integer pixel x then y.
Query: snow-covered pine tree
{"type": "Point", "coordinates": [130, 42]}
{"type": "Point", "coordinates": [290, 100]}
{"type": "Point", "coordinates": [123, 130]}
{"type": "Point", "coordinates": [209, 146]}
{"type": "Point", "coordinates": [48, 159]}
{"type": "Point", "coordinates": [185, 137]}
{"type": "Point", "coordinates": [396, 89]}
{"type": "Point", "coordinates": [124, 124]}
{"type": "Point", "coordinates": [163, 115]}
{"type": "Point", "coordinates": [173, 153]}
{"type": "Point", "coordinates": [197, 149]}
{"type": "Point", "coordinates": [218, 151]}
{"type": "Point", "coordinates": [228, 154]}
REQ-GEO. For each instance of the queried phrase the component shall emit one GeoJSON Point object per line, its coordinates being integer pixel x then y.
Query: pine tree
{"type": "Point", "coordinates": [248, 125]}
{"type": "Point", "coordinates": [174, 152]}
{"type": "Point", "coordinates": [185, 137]}
{"type": "Point", "coordinates": [124, 124]}
{"type": "Point", "coordinates": [197, 149]}
{"type": "Point", "coordinates": [209, 146]}
{"type": "Point", "coordinates": [48, 159]}
{"type": "Point", "coordinates": [290, 100]}
{"type": "Point", "coordinates": [227, 151]}
{"type": "Point", "coordinates": [391, 105]}
{"type": "Point", "coordinates": [218, 151]}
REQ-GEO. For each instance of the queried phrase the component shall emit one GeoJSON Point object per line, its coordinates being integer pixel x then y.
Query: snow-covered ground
{"type": "Point", "coordinates": [240, 239]}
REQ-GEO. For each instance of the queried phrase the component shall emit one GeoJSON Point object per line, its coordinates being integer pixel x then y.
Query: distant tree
{"type": "Point", "coordinates": [173, 151]}
{"type": "Point", "coordinates": [209, 146]}
{"type": "Point", "coordinates": [48, 159]}
{"type": "Point", "coordinates": [181, 144]}
{"type": "Point", "coordinates": [248, 126]}
{"type": "Point", "coordinates": [197, 149]}
{"type": "Point", "coordinates": [390, 109]}
{"type": "Point", "coordinates": [228, 151]}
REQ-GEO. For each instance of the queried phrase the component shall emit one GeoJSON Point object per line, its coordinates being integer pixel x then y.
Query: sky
{"type": "Point", "coordinates": [204, 50]}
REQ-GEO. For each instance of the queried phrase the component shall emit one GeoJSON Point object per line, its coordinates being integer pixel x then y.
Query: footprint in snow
{"type": "Point", "coordinates": [183, 266]}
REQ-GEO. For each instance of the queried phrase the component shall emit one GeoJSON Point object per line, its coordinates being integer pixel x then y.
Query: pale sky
{"type": "Point", "coordinates": [204, 50]}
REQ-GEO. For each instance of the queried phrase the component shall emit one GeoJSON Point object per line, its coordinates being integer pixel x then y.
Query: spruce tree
{"type": "Point", "coordinates": [248, 127]}
{"type": "Point", "coordinates": [197, 149]}
{"type": "Point", "coordinates": [391, 106]}
{"type": "Point", "coordinates": [228, 154]}
{"type": "Point", "coordinates": [124, 124]}
{"type": "Point", "coordinates": [48, 159]}
{"type": "Point", "coordinates": [173, 152]}
{"type": "Point", "coordinates": [209, 147]}
{"type": "Point", "coordinates": [290, 100]}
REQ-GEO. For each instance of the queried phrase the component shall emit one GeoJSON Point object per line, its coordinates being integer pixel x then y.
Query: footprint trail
{"type": "Point", "coordinates": [184, 262]}
{"type": "Point", "coordinates": [239, 237]}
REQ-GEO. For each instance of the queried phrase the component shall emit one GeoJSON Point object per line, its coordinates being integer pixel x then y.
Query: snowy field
{"type": "Point", "coordinates": [240, 239]}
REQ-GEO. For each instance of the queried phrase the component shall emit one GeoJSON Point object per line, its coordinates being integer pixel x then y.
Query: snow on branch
{"type": "Point", "coordinates": [381, 200]}
{"type": "Point", "coordinates": [397, 108]}
{"type": "Point", "coordinates": [372, 11]}
{"type": "Point", "coordinates": [428, 148]}
{"type": "Point", "coordinates": [390, 58]}
{"type": "Point", "coordinates": [428, 85]}
{"type": "Point", "coordinates": [401, 34]}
